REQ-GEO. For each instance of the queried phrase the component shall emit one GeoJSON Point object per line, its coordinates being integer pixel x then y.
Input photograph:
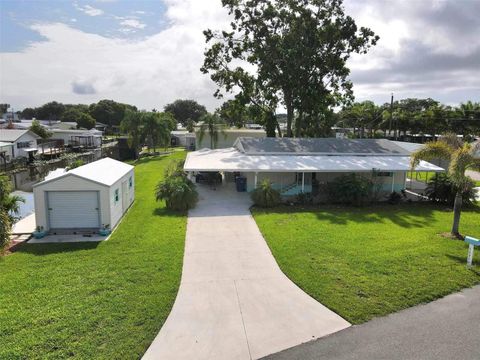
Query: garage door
{"type": "Point", "coordinates": [73, 209]}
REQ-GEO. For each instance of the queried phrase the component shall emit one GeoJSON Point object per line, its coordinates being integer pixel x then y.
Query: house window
{"type": "Point", "coordinates": [116, 197]}
{"type": "Point", "coordinates": [23, 144]}
{"type": "Point", "coordinates": [130, 182]}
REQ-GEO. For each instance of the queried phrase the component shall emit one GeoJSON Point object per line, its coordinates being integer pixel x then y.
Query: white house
{"type": "Point", "coordinates": [85, 198]}
{"type": "Point", "coordinates": [227, 138]}
{"type": "Point", "coordinates": [89, 138]}
{"type": "Point", "coordinates": [295, 165]}
{"type": "Point", "coordinates": [22, 141]}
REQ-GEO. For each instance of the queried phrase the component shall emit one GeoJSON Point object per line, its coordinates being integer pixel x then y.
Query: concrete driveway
{"type": "Point", "coordinates": [234, 302]}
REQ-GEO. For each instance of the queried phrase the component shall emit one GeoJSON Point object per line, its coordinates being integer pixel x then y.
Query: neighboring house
{"type": "Point", "coordinates": [85, 198]}
{"type": "Point", "coordinates": [294, 165]}
{"type": "Point", "coordinates": [6, 153]}
{"type": "Point", "coordinates": [183, 138]}
{"type": "Point", "coordinates": [87, 138]}
{"type": "Point", "coordinates": [228, 138]}
{"type": "Point", "coordinates": [23, 141]}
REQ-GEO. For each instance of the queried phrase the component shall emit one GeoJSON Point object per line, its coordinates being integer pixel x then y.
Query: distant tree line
{"type": "Point", "coordinates": [410, 116]}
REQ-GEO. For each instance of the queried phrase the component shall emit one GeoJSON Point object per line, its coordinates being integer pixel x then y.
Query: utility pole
{"type": "Point", "coordinates": [391, 116]}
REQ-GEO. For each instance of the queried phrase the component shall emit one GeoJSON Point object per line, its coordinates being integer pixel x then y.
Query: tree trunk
{"type": "Point", "coordinates": [289, 106]}
{"type": "Point", "coordinates": [457, 209]}
{"type": "Point", "coordinates": [298, 125]}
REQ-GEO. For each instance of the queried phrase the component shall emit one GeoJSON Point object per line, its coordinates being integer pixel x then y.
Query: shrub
{"type": "Point", "coordinates": [5, 227]}
{"type": "Point", "coordinates": [176, 189]}
{"type": "Point", "coordinates": [440, 189]}
{"type": "Point", "coordinates": [75, 164]}
{"type": "Point", "coordinates": [304, 198]}
{"type": "Point", "coordinates": [350, 189]}
{"type": "Point", "coordinates": [265, 195]}
{"type": "Point", "coordinates": [394, 198]}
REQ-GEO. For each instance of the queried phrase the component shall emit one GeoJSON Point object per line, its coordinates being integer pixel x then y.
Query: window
{"type": "Point", "coordinates": [116, 197]}
{"type": "Point", "coordinates": [130, 182]}
{"type": "Point", "coordinates": [383, 174]}
{"type": "Point", "coordinates": [23, 144]}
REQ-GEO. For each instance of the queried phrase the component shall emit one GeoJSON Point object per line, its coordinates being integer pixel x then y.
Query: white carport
{"type": "Point", "coordinates": [88, 197]}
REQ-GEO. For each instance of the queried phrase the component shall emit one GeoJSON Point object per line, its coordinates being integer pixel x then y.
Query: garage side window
{"type": "Point", "coordinates": [130, 182]}
{"type": "Point", "coordinates": [116, 196]}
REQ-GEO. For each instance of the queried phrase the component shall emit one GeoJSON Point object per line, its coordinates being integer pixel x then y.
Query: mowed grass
{"type": "Point", "coordinates": [425, 176]}
{"type": "Point", "coordinates": [368, 262]}
{"type": "Point", "coordinates": [96, 301]}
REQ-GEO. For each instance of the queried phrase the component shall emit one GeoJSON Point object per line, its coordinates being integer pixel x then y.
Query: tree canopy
{"type": "Point", "coordinates": [40, 130]}
{"type": "Point", "coordinates": [185, 110]}
{"type": "Point", "coordinates": [298, 51]}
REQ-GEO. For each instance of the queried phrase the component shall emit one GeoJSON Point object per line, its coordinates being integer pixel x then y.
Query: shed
{"type": "Point", "coordinates": [85, 198]}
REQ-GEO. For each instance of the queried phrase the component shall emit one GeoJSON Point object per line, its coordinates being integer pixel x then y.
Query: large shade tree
{"type": "Point", "coordinates": [292, 52]}
{"type": "Point", "coordinates": [462, 157]}
{"type": "Point", "coordinates": [185, 110]}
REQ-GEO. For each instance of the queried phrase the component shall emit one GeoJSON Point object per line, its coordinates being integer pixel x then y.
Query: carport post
{"type": "Point", "coordinates": [303, 182]}
{"type": "Point", "coordinates": [393, 181]}
{"type": "Point", "coordinates": [255, 181]}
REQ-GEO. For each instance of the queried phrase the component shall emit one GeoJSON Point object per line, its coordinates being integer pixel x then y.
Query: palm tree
{"type": "Point", "coordinates": [132, 125]}
{"type": "Point", "coordinates": [212, 125]}
{"type": "Point", "coordinates": [462, 157]}
{"type": "Point", "coordinates": [9, 203]}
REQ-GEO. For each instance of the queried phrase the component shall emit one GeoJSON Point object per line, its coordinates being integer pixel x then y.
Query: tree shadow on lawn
{"type": "Point", "coordinates": [146, 160]}
{"type": "Point", "coordinates": [164, 212]}
{"type": "Point", "coordinates": [54, 248]}
{"type": "Point", "coordinates": [409, 215]}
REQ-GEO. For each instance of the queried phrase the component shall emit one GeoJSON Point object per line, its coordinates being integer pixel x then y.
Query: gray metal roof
{"type": "Point", "coordinates": [321, 146]}
{"type": "Point", "coordinates": [8, 135]}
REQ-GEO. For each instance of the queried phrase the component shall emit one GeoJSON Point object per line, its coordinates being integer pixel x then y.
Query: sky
{"type": "Point", "coordinates": [148, 53]}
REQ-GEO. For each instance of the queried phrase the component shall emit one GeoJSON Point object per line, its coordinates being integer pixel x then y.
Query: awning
{"type": "Point", "coordinates": [231, 160]}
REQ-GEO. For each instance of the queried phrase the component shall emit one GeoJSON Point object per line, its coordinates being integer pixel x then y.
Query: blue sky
{"type": "Point", "coordinates": [149, 53]}
{"type": "Point", "coordinates": [115, 19]}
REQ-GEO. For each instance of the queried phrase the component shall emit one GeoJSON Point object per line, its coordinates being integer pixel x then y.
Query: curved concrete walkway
{"type": "Point", "coordinates": [234, 302]}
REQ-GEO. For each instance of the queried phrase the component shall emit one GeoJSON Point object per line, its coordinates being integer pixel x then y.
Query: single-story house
{"type": "Point", "coordinates": [88, 138]}
{"type": "Point", "coordinates": [23, 141]}
{"type": "Point", "coordinates": [227, 138]}
{"type": "Point", "coordinates": [183, 138]}
{"type": "Point", "coordinates": [294, 165]}
{"type": "Point", "coordinates": [85, 198]}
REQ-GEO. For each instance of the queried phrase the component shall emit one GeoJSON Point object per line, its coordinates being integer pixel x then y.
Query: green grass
{"type": "Point", "coordinates": [96, 301]}
{"type": "Point", "coordinates": [368, 262]}
{"type": "Point", "coordinates": [424, 176]}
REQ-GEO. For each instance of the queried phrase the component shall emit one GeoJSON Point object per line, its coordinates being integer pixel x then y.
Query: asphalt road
{"type": "Point", "coordinates": [448, 328]}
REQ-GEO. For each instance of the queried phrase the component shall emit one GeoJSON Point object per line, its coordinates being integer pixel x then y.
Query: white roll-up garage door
{"type": "Point", "coordinates": [73, 209]}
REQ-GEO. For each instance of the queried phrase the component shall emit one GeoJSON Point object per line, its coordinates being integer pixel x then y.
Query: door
{"type": "Point", "coordinates": [73, 209]}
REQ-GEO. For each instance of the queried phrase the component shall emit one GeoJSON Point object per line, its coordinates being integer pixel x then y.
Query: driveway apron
{"type": "Point", "coordinates": [234, 302]}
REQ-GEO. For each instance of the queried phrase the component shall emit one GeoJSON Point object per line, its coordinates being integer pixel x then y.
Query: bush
{"type": "Point", "coordinates": [304, 198]}
{"type": "Point", "coordinates": [75, 164]}
{"type": "Point", "coordinates": [440, 189]}
{"type": "Point", "coordinates": [394, 198]}
{"type": "Point", "coordinates": [5, 228]}
{"type": "Point", "coordinates": [265, 195]}
{"type": "Point", "coordinates": [350, 189]}
{"type": "Point", "coordinates": [176, 189]}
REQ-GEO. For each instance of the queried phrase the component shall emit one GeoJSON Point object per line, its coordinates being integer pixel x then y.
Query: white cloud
{"type": "Point", "coordinates": [133, 23]}
{"type": "Point", "coordinates": [72, 66]}
{"type": "Point", "coordinates": [148, 73]}
{"type": "Point", "coordinates": [89, 10]}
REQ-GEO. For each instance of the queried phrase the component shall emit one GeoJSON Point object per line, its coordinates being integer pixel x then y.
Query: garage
{"type": "Point", "coordinates": [85, 214]}
{"type": "Point", "coordinates": [87, 198]}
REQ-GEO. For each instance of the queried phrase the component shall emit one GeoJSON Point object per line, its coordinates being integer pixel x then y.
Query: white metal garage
{"type": "Point", "coordinates": [85, 198]}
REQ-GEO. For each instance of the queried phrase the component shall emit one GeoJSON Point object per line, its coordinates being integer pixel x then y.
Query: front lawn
{"type": "Point", "coordinates": [96, 301]}
{"type": "Point", "coordinates": [368, 262]}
